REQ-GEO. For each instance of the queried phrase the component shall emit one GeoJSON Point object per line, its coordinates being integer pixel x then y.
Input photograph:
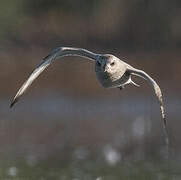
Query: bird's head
{"type": "Point", "coordinates": [109, 69]}
{"type": "Point", "coordinates": [107, 63]}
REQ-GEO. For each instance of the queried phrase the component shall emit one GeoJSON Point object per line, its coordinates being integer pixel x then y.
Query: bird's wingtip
{"type": "Point", "coordinates": [13, 102]}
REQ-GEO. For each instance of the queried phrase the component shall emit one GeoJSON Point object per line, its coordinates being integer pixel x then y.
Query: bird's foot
{"type": "Point", "coordinates": [121, 87]}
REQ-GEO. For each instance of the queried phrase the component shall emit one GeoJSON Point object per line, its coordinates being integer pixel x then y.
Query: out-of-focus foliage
{"type": "Point", "coordinates": [82, 7]}
{"type": "Point", "coordinates": [133, 25]}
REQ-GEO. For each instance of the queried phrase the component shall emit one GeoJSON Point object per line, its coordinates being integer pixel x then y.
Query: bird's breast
{"type": "Point", "coordinates": [110, 80]}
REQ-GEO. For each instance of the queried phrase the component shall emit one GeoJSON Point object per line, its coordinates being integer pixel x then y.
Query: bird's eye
{"type": "Point", "coordinates": [112, 64]}
{"type": "Point", "coordinates": [98, 63]}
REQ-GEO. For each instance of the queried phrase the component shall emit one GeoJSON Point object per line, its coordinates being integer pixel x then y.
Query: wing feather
{"type": "Point", "coordinates": [158, 93]}
{"type": "Point", "coordinates": [59, 52]}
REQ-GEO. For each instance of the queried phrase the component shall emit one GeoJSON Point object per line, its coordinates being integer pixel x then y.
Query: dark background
{"type": "Point", "coordinates": [67, 126]}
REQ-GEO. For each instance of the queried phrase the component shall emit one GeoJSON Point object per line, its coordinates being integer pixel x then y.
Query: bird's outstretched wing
{"type": "Point", "coordinates": [55, 54]}
{"type": "Point", "coordinates": [158, 93]}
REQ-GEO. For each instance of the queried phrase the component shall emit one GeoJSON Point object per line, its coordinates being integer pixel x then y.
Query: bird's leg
{"type": "Point", "coordinates": [132, 82]}
{"type": "Point", "coordinates": [121, 87]}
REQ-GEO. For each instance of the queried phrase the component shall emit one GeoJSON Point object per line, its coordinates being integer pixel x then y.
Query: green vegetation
{"type": "Point", "coordinates": [132, 25]}
{"type": "Point", "coordinates": [89, 170]}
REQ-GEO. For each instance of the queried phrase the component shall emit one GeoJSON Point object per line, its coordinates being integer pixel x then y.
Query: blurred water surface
{"type": "Point", "coordinates": [54, 136]}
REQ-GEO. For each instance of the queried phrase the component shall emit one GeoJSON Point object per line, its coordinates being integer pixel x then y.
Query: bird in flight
{"type": "Point", "coordinates": [111, 72]}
